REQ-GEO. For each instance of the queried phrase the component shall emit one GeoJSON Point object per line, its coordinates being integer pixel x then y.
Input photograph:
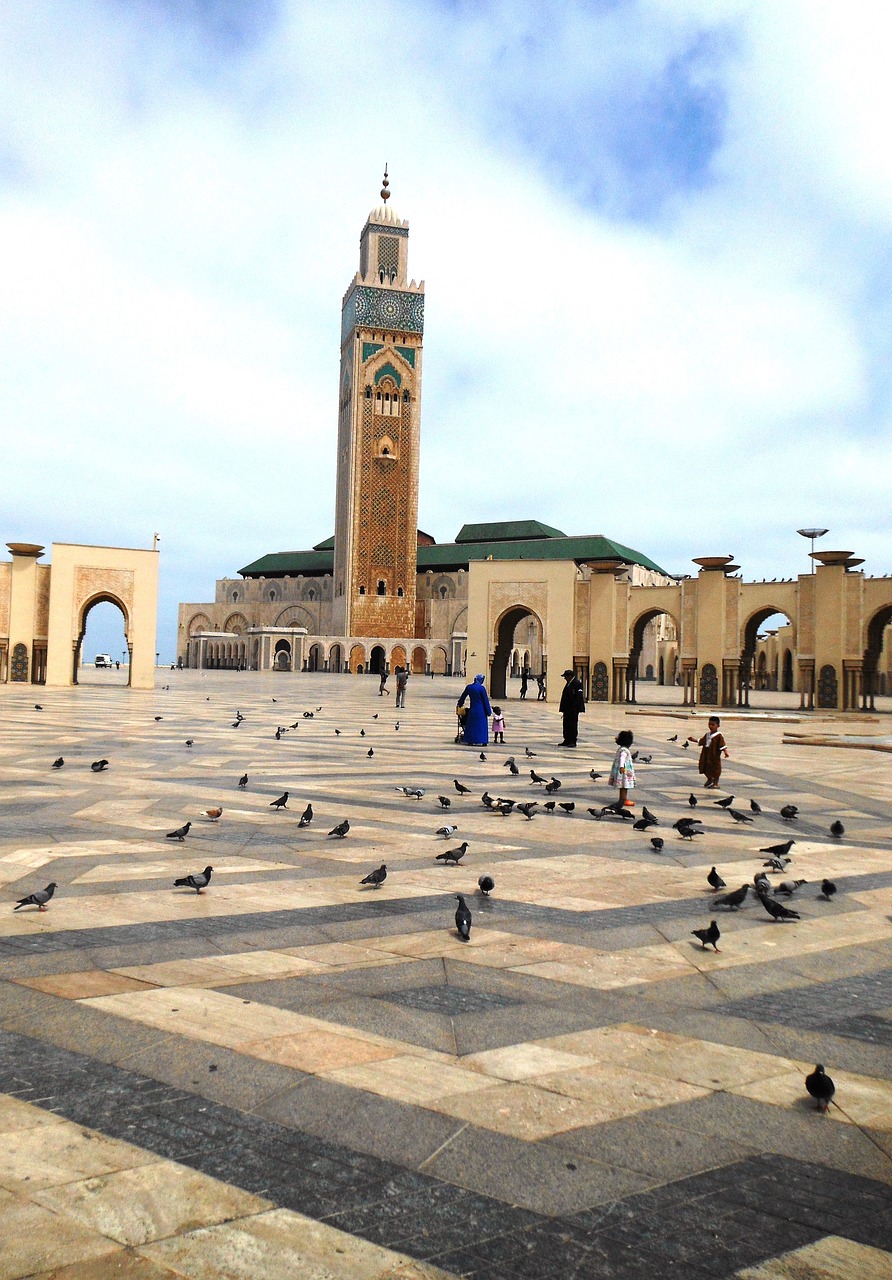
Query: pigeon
{"type": "Point", "coordinates": [789, 887]}
{"type": "Point", "coordinates": [370, 752]}
{"type": "Point", "coordinates": [463, 919]}
{"type": "Point", "coordinates": [453, 856]}
{"type": "Point", "coordinates": [821, 1087]}
{"type": "Point", "coordinates": [527, 810]}
{"type": "Point", "coordinates": [724, 804]}
{"type": "Point", "coordinates": [514, 769]}
{"type": "Point", "coordinates": [38, 899]}
{"type": "Point", "coordinates": [776, 909]}
{"type": "Point", "coordinates": [674, 738]}
{"type": "Point", "coordinates": [57, 764]}
{"type": "Point", "coordinates": [190, 742]}
{"type": "Point", "coordinates": [645, 759]}
{"type": "Point", "coordinates": [733, 901]}
{"type": "Point", "coordinates": [487, 799]}
{"type": "Point", "coordinates": [836, 828]}
{"type": "Point", "coordinates": [444, 802]}
{"type": "Point", "coordinates": [710, 935]}
{"type": "Point", "coordinates": [281, 803]}
{"type": "Point", "coordinates": [648, 816]}
{"type": "Point", "coordinates": [715, 880]}
{"type": "Point", "coordinates": [549, 806]}
{"type": "Point", "coordinates": [180, 833]}
{"type": "Point", "coordinates": [692, 800]}
{"type": "Point", "coordinates": [761, 883]}
{"type": "Point", "coordinates": [828, 888]}
{"type": "Point", "coordinates": [567, 805]}
{"type": "Point", "coordinates": [779, 850]}
{"type": "Point", "coordinates": [528, 753]}
{"type": "Point", "coordinates": [99, 766]}
{"type": "Point", "coordinates": [642, 824]}
{"type": "Point", "coordinates": [594, 776]}
{"type": "Point", "coordinates": [341, 829]}
{"type": "Point", "coordinates": [157, 718]}
{"type": "Point", "coordinates": [199, 881]}
{"type": "Point", "coordinates": [486, 884]}
{"type": "Point", "coordinates": [554, 785]}
{"type": "Point", "coordinates": [657, 843]}
{"type": "Point", "coordinates": [685, 745]}
{"type": "Point", "coordinates": [634, 755]}
{"type": "Point", "coordinates": [536, 777]}
{"type": "Point", "coordinates": [447, 831]}
{"type": "Point", "coordinates": [243, 781]}
{"type": "Point", "coordinates": [755, 807]}
{"type": "Point", "coordinates": [337, 733]}
{"type": "Point", "coordinates": [38, 707]}
{"type": "Point", "coordinates": [306, 817]}
{"type": "Point", "coordinates": [362, 733]}
{"type": "Point", "coordinates": [789, 813]}
{"type": "Point", "coordinates": [460, 787]}
{"type": "Point", "coordinates": [482, 755]}
{"type": "Point", "coordinates": [777, 864]}
{"type": "Point", "coordinates": [686, 828]}
{"type": "Point", "coordinates": [236, 723]}
{"type": "Point", "coordinates": [740, 817]}
{"type": "Point", "coordinates": [278, 735]}
{"type": "Point", "coordinates": [413, 793]}
{"type": "Point", "coordinates": [374, 717]}
{"type": "Point", "coordinates": [506, 764]}
{"type": "Point", "coordinates": [504, 804]}
{"type": "Point", "coordinates": [377, 877]}
{"type": "Point", "coordinates": [214, 814]}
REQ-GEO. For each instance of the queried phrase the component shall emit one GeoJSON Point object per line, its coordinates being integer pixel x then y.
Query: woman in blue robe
{"type": "Point", "coordinates": [479, 711]}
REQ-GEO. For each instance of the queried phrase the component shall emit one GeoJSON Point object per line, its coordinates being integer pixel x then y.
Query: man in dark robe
{"type": "Point", "coordinates": [572, 705]}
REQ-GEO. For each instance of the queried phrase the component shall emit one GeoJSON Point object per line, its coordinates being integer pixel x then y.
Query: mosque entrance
{"type": "Point", "coordinates": [377, 660]}
{"type": "Point", "coordinates": [107, 635]}
{"type": "Point", "coordinates": [654, 644]}
{"type": "Point", "coordinates": [870, 678]}
{"type": "Point", "coordinates": [282, 657]}
{"type": "Point", "coordinates": [518, 628]}
{"type": "Point", "coordinates": [766, 658]}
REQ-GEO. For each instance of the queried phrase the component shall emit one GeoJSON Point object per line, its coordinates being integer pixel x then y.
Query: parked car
{"type": "Point", "coordinates": [103, 660]}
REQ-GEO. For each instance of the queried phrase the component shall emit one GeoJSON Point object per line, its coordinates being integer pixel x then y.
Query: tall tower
{"type": "Point", "coordinates": [379, 421]}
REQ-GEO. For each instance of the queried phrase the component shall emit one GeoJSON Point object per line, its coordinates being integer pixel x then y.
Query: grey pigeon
{"type": "Point", "coordinates": [820, 1086]}
{"type": "Point", "coordinates": [761, 883]}
{"type": "Point", "coordinates": [281, 803]}
{"type": "Point", "coordinates": [642, 824]}
{"type": "Point", "coordinates": [341, 829]}
{"type": "Point", "coordinates": [828, 888]}
{"type": "Point", "coordinates": [99, 766]}
{"type": "Point", "coordinates": [567, 805]}
{"type": "Point", "coordinates": [463, 919]}
{"type": "Point", "coordinates": [199, 881]}
{"type": "Point", "coordinates": [740, 817]}
{"type": "Point", "coordinates": [781, 850]}
{"type": "Point", "coordinates": [755, 806]}
{"type": "Point", "coordinates": [657, 843]}
{"type": "Point", "coordinates": [243, 781]}
{"type": "Point", "coordinates": [674, 738]}
{"type": "Point", "coordinates": [460, 787]}
{"type": "Point", "coordinates": [692, 800]}
{"type": "Point", "coordinates": [836, 829]}
{"type": "Point", "coordinates": [447, 831]}
{"type": "Point", "coordinates": [789, 887]}
{"type": "Point", "coordinates": [554, 785]}
{"type": "Point", "coordinates": [413, 793]}
{"type": "Point", "coordinates": [528, 753]}
{"type": "Point", "coordinates": [777, 910]}
{"type": "Point", "coordinates": [735, 900]}
{"type": "Point", "coordinates": [687, 828]}
{"type": "Point", "coordinates": [482, 755]}
{"type": "Point", "coordinates": [527, 809]}
{"type": "Point", "coordinates": [776, 863]}
{"type": "Point", "coordinates": [506, 764]}
{"type": "Point", "coordinates": [725, 803]}
{"type": "Point", "coordinates": [453, 856]}
{"type": "Point", "coordinates": [444, 801]}
{"type": "Point", "coordinates": [38, 899]}
{"type": "Point", "coordinates": [57, 764]}
{"type": "Point", "coordinates": [594, 776]}
{"type": "Point", "coordinates": [486, 884]}
{"type": "Point", "coordinates": [715, 880]}
{"type": "Point", "coordinates": [789, 812]}
{"type": "Point", "coordinates": [710, 935]}
{"type": "Point", "coordinates": [536, 777]}
{"type": "Point", "coordinates": [514, 769]}
{"type": "Point", "coordinates": [648, 816]}
{"type": "Point", "coordinates": [180, 833]}
{"type": "Point", "coordinates": [306, 817]}
{"type": "Point", "coordinates": [376, 878]}
{"type": "Point", "coordinates": [370, 752]}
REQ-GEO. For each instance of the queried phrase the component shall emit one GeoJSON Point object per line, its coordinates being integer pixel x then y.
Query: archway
{"type": "Point", "coordinates": [439, 661]}
{"type": "Point", "coordinates": [419, 661]}
{"type": "Point", "coordinates": [505, 630]}
{"type": "Point", "coordinates": [377, 659]}
{"type": "Point", "coordinates": [335, 658]}
{"type": "Point", "coordinates": [109, 626]}
{"type": "Point", "coordinates": [398, 657]}
{"type": "Point", "coordinates": [787, 674]}
{"type": "Point", "coordinates": [650, 643]}
{"type": "Point", "coordinates": [282, 656]}
{"type": "Point", "coordinates": [314, 658]}
{"type": "Point", "coordinates": [759, 668]}
{"type": "Point", "coordinates": [357, 659]}
{"type": "Point", "coordinates": [870, 682]}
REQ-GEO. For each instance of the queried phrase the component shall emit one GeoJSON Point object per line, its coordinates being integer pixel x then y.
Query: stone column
{"type": "Point", "coordinates": [22, 607]}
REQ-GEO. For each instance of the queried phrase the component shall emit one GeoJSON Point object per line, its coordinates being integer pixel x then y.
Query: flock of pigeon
{"type": "Point", "coordinates": [818, 1083]}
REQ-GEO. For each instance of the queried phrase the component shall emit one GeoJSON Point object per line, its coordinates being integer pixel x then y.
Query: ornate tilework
{"type": "Point", "coordinates": [383, 309]}
{"type": "Point", "coordinates": [709, 685]}
{"type": "Point", "coordinates": [600, 683]}
{"type": "Point", "coordinates": [828, 686]}
{"type": "Point", "coordinates": [388, 228]}
{"type": "Point", "coordinates": [369, 349]}
{"type": "Point", "coordinates": [388, 371]}
{"type": "Point", "coordinates": [388, 253]}
{"type": "Point", "coordinates": [408, 354]}
{"type": "Point", "coordinates": [18, 667]}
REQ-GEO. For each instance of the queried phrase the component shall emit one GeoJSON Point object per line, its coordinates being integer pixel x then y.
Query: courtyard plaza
{"type": "Point", "coordinates": [291, 1074]}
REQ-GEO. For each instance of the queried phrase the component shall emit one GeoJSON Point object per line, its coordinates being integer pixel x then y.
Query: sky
{"type": "Point", "coordinates": [656, 237]}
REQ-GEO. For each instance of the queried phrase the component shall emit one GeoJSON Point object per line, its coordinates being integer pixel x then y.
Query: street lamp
{"type": "Point", "coordinates": [811, 534]}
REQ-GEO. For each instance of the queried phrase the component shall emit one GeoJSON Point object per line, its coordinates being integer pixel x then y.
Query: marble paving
{"type": "Point", "coordinates": [293, 1073]}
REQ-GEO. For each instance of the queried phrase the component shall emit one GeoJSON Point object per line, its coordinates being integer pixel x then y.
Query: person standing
{"type": "Point", "coordinates": [524, 681]}
{"type": "Point", "coordinates": [479, 711]}
{"type": "Point", "coordinates": [540, 684]}
{"type": "Point", "coordinates": [572, 706]}
{"type": "Point", "coordinates": [402, 679]}
{"type": "Point", "coordinates": [498, 725]}
{"type": "Point", "coordinates": [622, 771]}
{"type": "Point", "coordinates": [712, 749]}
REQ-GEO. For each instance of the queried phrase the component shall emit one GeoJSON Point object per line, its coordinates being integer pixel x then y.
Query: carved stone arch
{"type": "Point", "coordinates": [504, 627]}
{"type": "Point", "coordinates": [237, 623]}
{"type": "Point", "coordinates": [198, 622]}
{"type": "Point", "coordinates": [443, 587]}
{"type": "Point", "coordinates": [84, 608]}
{"type": "Point", "coordinates": [460, 621]}
{"type": "Point", "coordinates": [296, 616]}
{"type": "Point", "coordinates": [874, 630]}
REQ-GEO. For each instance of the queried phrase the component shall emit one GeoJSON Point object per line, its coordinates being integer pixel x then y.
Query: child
{"type": "Point", "coordinates": [498, 725]}
{"type": "Point", "coordinates": [712, 748]}
{"type": "Point", "coordinates": [622, 771]}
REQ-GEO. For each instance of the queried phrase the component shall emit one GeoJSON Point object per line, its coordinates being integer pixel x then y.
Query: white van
{"type": "Point", "coordinates": [103, 660]}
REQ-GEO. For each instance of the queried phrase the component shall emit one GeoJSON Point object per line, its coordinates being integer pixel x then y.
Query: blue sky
{"type": "Point", "coordinates": [655, 236]}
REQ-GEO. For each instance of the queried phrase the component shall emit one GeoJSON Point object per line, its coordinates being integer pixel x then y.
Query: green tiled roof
{"type": "Point", "coordinates": [507, 531]}
{"type": "Point", "coordinates": [454, 555]}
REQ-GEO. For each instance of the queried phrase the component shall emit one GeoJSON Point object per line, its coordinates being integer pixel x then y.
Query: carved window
{"type": "Point", "coordinates": [399, 591]}
{"type": "Point", "coordinates": [362, 591]}
{"type": "Point", "coordinates": [271, 594]}
{"type": "Point", "coordinates": [234, 597]}
{"type": "Point", "coordinates": [382, 587]}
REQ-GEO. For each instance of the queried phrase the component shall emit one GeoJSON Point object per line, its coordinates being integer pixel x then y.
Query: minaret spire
{"type": "Point", "coordinates": [385, 194]}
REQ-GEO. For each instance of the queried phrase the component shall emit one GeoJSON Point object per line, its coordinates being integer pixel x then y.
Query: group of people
{"type": "Point", "coordinates": [402, 680]}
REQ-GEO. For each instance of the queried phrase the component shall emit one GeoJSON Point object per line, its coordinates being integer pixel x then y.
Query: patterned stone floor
{"type": "Point", "coordinates": [291, 1074]}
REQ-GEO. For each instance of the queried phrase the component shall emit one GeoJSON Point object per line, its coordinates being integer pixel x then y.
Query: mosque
{"type": "Point", "coordinates": [516, 595]}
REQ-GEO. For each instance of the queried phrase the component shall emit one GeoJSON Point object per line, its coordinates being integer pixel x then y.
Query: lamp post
{"type": "Point", "coordinates": [811, 534]}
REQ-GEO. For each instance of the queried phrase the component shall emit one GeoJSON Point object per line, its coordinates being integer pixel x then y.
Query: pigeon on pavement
{"type": "Point", "coordinates": [715, 880]}
{"type": "Point", "coordinates": [724, 804]}
{"type": "Point", "coordinates": [820, 1086]}
{"type": "Point", "coordinates": [836, 829]}
{"type": "Point", "coordinates": [99, 766]}
{"type": "Point", "coordinates": [789, 887]}
{"type": "Point", "coordinates": [740, 817]}
{"type": "Point", "coordinates": [180, 833]}
{"type": "Point", "coordinates": [710, 935]}
{"type": "Point", "coordinates": [281, 803]}
{"type": "Point", "coordinates": [536, 777]}
{"type": "Point", "coordinates": [243, 781]}
{"type": "Point", "coordinates": [657, 842]}
{"type": "Point", "coordinates": [38, 899]}
{"type": "Point", "coordinates": [199, 881]}
{"type": "Point", "coordinates": [828, 888]}
{"type": "Point", "coordinates": [214, 814]}
{"type": "Point", "coordinates": [306, 817]}
{"type": "Point", "coordinates": [735, 900]}
{"type": "Point", "coordinates": [554, 785]}
{"type": "Point", "coordinates": [463, 919]}
{"type": "Point", "coordinates": [453, 856]}
{"type": "Point", "coordinates": [789, 812]}
{"type": "Point", "coordinates": [777, 910]}
{"type": "Point", "coordinates": [692, 800]}
{"type": "Point", "coordinates": [376, 878]}
{"type": "Point", "coordinates": [413, 793]}
{"type": "Point", "coordinates": [648, 816]}
{"type": "Point", "coordinates": [486, 884]}
{"type": "Point", "coordinates": [341, 829]}
{"type": "Point", "coordinates": [686, 828]}
{"type": "Point", "coordinates": [57, 764]}
{"type": "Point", "coordinates": [527, 809]}
{"type": "Point", "coordinates": [447, 831]}
{"type": "Point", "coordinates": [755, 807]}
{"type": "Point", "coordinates": [460, 787]}
{"type": "Point", "coordinates": [444, 802]}
{"type": "Point", "coordinates": [781, 850]}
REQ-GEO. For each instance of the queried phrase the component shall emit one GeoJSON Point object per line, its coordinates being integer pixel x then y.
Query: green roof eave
{"type": "Point", "coordinates": [507, 531]}
{"type": "Point", "coordinates": [280, 564]}
{"type": "Point", "coordinates": [579, 549]}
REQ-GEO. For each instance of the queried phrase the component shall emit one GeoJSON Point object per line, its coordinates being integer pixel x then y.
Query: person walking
{"type": "Point", "coordinates": [402, 679]}
{"type": "Point", "coordinates": [712, 749]}
{"type": "Point", "coordinates": [524, 681]}
{"type": "Point", "coordinates": [540, 683]}
{"type": "Point", "coordinates": [479, 711]}
{"type": "Point", "coordinates": [572, 706]}
{"type": "Point", "coordinates": [382, 687]}
{"type": "Point", "coordinates": [622, 771]}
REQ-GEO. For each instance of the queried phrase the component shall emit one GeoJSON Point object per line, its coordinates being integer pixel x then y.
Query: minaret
{"type": "Point", "coordinates": [379, 419]}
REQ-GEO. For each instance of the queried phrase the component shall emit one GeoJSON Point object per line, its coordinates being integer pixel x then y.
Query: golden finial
{"type": "Point", "coordinates": [385, 194]}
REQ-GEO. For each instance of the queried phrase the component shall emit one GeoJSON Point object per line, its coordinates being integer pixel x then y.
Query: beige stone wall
{"type": "Point", "coordinates": [5, 585]}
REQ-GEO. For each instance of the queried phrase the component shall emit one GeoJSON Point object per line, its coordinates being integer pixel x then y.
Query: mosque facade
{"type": "Point", "coordinates": [517, 595]}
